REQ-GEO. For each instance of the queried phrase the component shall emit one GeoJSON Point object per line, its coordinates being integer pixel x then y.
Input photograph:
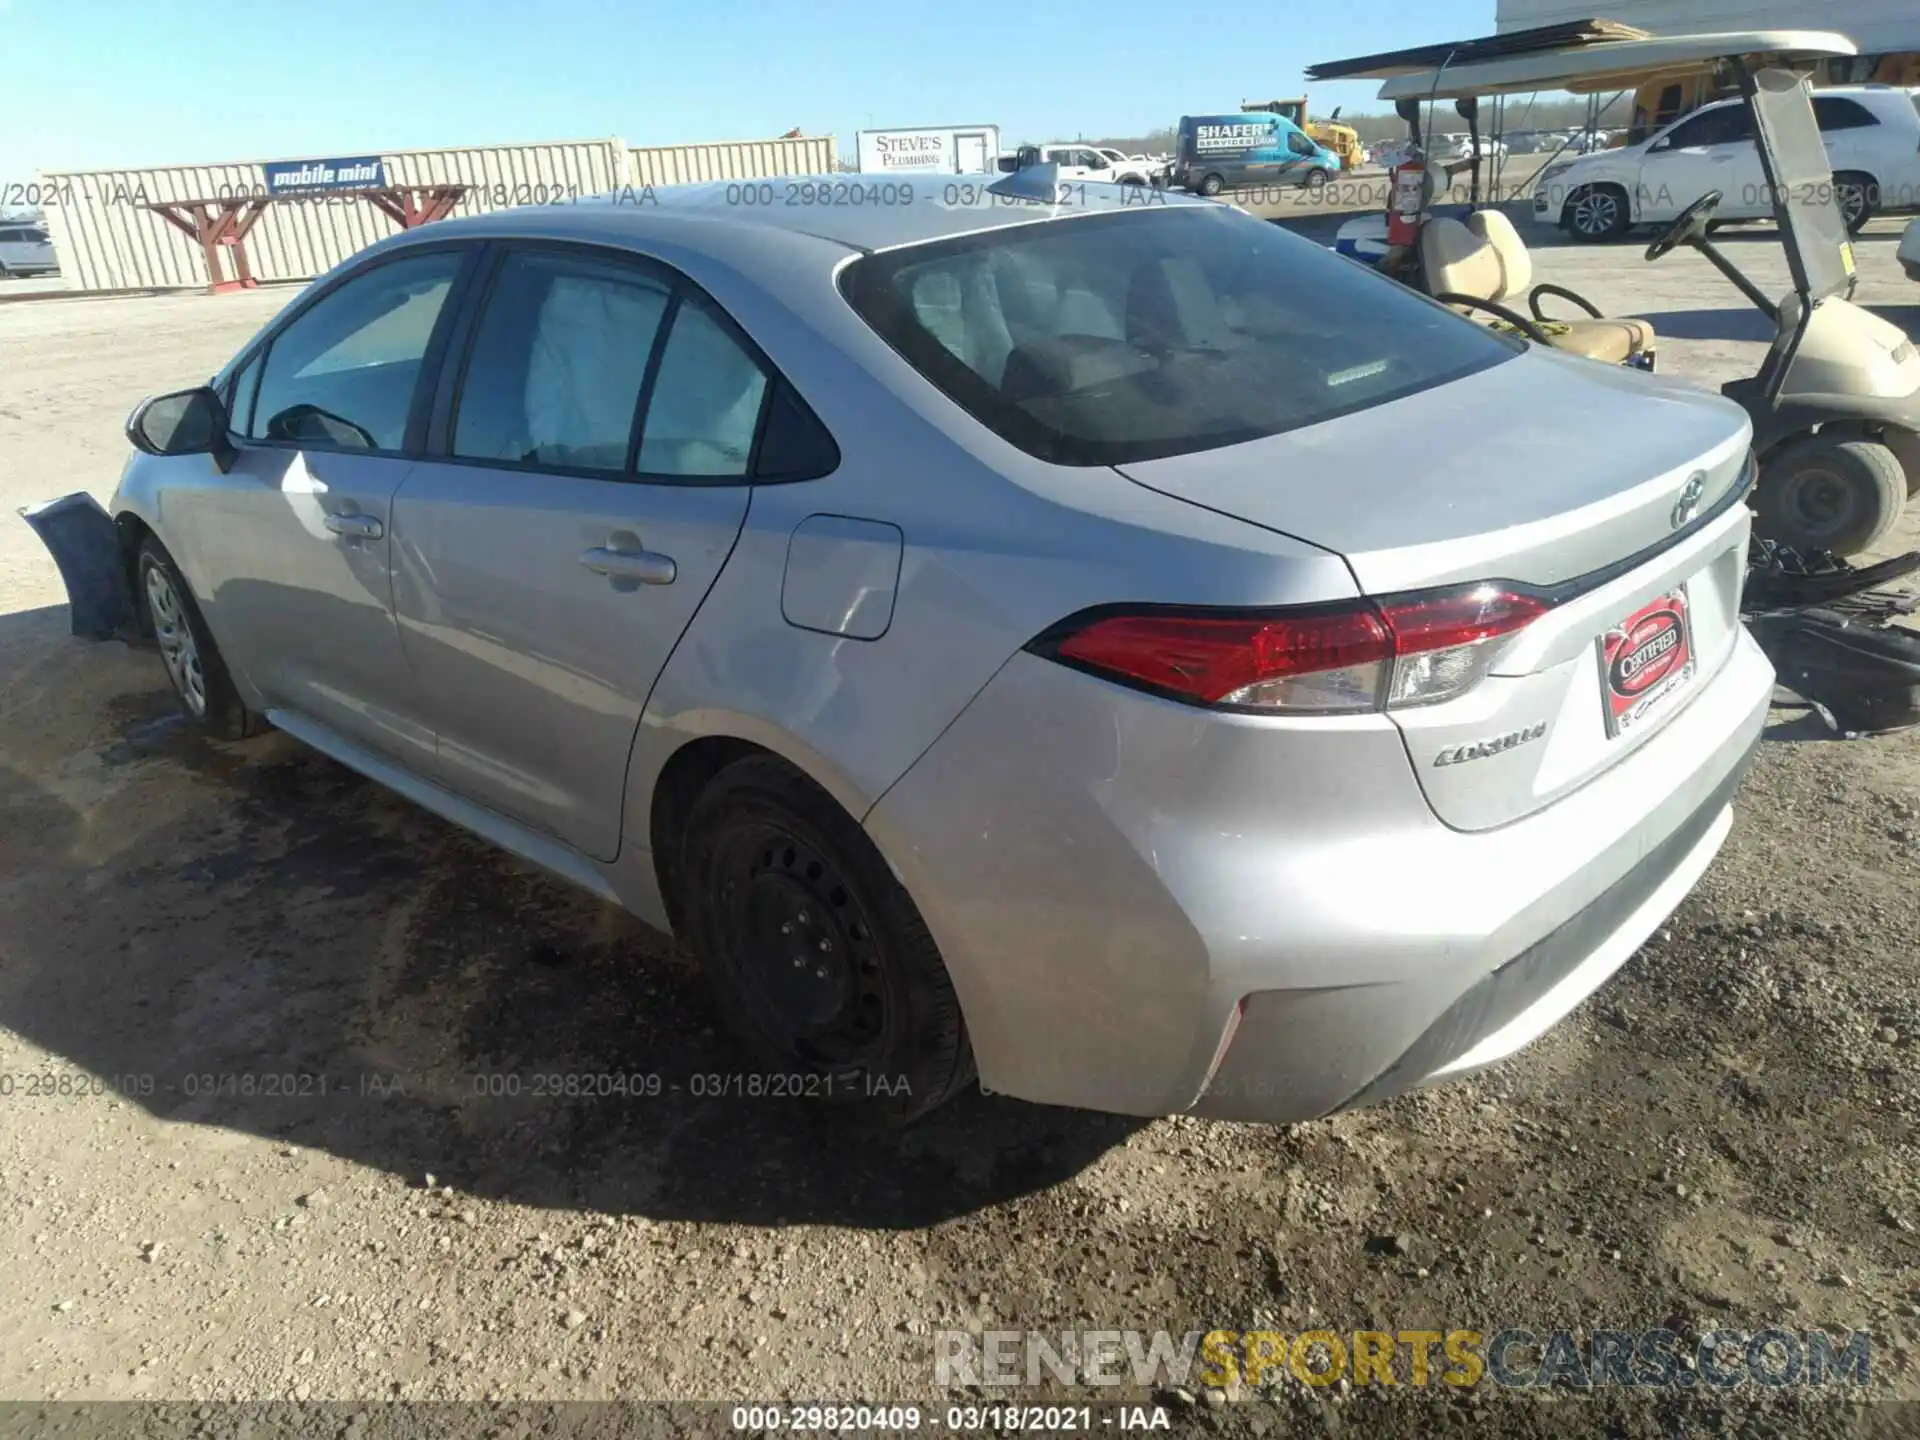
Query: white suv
{"type": "Point", "coordinates": [1873, 141]}
{"type": "Point", "coordinates": [25, 249]}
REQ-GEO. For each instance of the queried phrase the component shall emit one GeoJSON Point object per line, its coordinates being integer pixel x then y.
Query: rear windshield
{"type": "Point", "coordinates": [1102, 339]}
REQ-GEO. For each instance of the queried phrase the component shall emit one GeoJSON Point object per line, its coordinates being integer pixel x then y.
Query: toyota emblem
{"type": "Point", "coordinates": [1688, 505]}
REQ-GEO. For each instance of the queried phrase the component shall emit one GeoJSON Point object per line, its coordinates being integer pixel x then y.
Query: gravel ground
{"type": "Point", "coordinates": [1722, 1139]}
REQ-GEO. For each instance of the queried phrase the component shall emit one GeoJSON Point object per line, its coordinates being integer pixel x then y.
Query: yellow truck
{"type": "Point", "coordinates": [1343, 140]}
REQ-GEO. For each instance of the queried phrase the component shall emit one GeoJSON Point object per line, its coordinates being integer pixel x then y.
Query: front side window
{"type": "Point", "coordinates": [343, 373]}
{"type": "Point", "coordinates": [1095, 340]}
{"type": "Point", "coordinates": [558, 363]}
{"type": "Point", "coordinates": [1723, 125]}
{"type": "Point", "coordinates": [240, 393]}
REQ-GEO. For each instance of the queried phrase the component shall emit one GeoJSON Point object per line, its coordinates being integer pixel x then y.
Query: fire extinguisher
{"type": "Point", "coordinates": [1403, 210]}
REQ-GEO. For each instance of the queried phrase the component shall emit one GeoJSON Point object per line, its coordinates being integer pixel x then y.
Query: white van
{"type": "Point", "coordinates": [25, 249]}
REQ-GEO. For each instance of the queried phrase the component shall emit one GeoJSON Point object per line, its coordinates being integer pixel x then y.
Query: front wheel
{"type": "Point", "coordinates": [1816, 493]}
{"type": "Point", "coordinates": [198, 674]}
{"type": "Point", "coordinates": [818, 959]}
{"type": "Point", "coordinates": [1598, 212]}
{"type": "Point", "coordinates": [1316, 181]}
{"type": "Point", "coordinates": [1212, 184]}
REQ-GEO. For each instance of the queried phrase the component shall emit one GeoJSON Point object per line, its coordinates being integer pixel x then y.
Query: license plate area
{"type": "Point", "coordinates": [1645, 661]}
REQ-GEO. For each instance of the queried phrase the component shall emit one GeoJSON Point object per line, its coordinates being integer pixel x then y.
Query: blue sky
{"type": "Point", "coordinates": [95, 83]}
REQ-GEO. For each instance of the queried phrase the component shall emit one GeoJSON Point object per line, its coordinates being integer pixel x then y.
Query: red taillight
{"type": "Point", "coordinates": [1409, 650]}
{"type": "Point", "coordinates": [1208, 658]}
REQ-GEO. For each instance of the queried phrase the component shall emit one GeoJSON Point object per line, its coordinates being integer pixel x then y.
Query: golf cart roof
{"type": "Point", "coordinates": [1608, 65]}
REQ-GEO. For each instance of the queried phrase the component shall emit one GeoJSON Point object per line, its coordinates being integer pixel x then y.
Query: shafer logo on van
{"type": "Point", "coordinates": [1229, 137]}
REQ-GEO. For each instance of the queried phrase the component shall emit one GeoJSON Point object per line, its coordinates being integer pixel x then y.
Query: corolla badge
{"type": "Point", "coordinates": [1688, 504]}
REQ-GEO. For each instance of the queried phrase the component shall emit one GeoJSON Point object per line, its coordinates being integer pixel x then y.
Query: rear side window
{"type": "Point", "coordinates": [343, 372]}
{"type": "Point", "coordinates": [704, 410]}
{"type": "Point", "coordinates": [1836, 112]}
{"type": "Point", "coordinates": [558, 363]}
{"type": "Point", "coordinates": [1096, 340]}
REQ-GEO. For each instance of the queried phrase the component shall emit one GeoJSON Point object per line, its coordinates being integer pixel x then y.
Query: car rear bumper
{"type": "Point", "coordinates": [1151, 909]}
{"type": "Point", "coordinates": [1496, 1016]}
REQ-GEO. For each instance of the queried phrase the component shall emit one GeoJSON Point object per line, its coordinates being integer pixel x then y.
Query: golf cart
{"type": "Point", "coordinates": [1836, 404]}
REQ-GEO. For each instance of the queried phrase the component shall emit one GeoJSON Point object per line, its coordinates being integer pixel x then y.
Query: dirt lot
{"type": "Point", "coordinates": [1723, 1139]}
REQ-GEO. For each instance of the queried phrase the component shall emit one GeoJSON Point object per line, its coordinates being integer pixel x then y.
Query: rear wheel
{"type": "Point", "coordinates": [1905, 445]}
{"type": "Point", "coordinates": [819, 961]}
{"type": "Point", "coordinates": [198, 674]}
{"type": "Point", "coordinates": [1859, 197]}
{"type": "Point", "coordinates": [1212, 184]}
{"type": "Point", "coordinates": [1598, 212]}
{"type": "Point", "coordinates": [1841, 495]}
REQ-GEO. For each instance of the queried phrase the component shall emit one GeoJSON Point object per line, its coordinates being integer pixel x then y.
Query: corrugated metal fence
{"type": "Point", "coordinates": [745, 160]}
{"type": "Point", "coordinates": [107, 240]}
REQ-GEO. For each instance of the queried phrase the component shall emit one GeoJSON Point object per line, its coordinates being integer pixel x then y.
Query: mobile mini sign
{"type": "Point", "coordinates": [306, 177]}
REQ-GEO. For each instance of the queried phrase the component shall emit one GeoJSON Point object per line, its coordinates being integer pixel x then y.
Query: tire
{"type": "Point", "coordinates": [1841, 495]}
{"type": "Point", "coordinates": [194, 668]}
{"type": "Point", "coordinates": [776, 877]}
{"type": "Point", "coordinates": [1596, 213]}
{"type": "Point", "coordinates": [1859, 197]}
{"type": "Point", "coordinates": [1316, 181]}
{"type": "Point", "coordinates": [1212, 184]}
{"type": "Point", "coordinates": [1905, 445]}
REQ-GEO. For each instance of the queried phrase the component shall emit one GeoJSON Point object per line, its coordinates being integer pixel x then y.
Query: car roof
{"type": "Point", "coordinates": [861, 212]}
{"type": "Point", "coordinates": [1902, 97]}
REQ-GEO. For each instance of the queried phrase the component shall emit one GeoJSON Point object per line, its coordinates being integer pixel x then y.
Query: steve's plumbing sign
{"type": "Point", "coordinates": [297, 177]}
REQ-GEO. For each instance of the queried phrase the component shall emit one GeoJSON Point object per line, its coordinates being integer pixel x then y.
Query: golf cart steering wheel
{"type": "Point", "coordinates": [1689, 225]}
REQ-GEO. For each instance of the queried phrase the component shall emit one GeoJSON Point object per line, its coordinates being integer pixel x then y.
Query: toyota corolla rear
{"type": "Point", "coordinates": [1267, 862]}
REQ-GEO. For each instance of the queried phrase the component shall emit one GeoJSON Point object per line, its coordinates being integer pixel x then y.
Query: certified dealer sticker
{"type": "Point", "coordinates": [1644, 660]}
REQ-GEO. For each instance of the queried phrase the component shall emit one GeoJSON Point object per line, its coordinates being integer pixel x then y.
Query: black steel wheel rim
{"type": "Point", "coordinates": [801, 950]}
{"type": "Point", "coordinates": [1820, 501]}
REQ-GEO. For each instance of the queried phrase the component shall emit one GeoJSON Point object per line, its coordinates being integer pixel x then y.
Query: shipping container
{"type": "Point", "coordinates": [930, 150]}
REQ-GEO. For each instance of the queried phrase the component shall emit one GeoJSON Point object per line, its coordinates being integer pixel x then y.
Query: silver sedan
{"type": "Point", "coordinates": [1108, 644]}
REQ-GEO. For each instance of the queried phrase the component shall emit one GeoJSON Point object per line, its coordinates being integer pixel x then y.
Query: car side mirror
{"type": "Point", "coordinates": [186, 422]}
{"type": "Point", "coordinates": [1660, 146]}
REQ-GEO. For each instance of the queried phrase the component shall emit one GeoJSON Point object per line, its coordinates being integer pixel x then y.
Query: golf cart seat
{"type": "Point", "coordinates": [1484, 260]}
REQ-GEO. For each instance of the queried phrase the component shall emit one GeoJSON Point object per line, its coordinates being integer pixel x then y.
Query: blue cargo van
{"type": "Point", "coordinates": [1218, 152]}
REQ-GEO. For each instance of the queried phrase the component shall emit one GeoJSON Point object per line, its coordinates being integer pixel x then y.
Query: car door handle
{"type": "Point", "coordinates": [361, 527]}
{"type": "Point", "coordinates": [642, 567]}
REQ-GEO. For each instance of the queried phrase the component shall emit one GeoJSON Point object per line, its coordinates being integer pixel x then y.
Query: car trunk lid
{"type": "Point", "coordinates": [1610, 496]}
{"type": "Point", "coordinates": [1539, 470]}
